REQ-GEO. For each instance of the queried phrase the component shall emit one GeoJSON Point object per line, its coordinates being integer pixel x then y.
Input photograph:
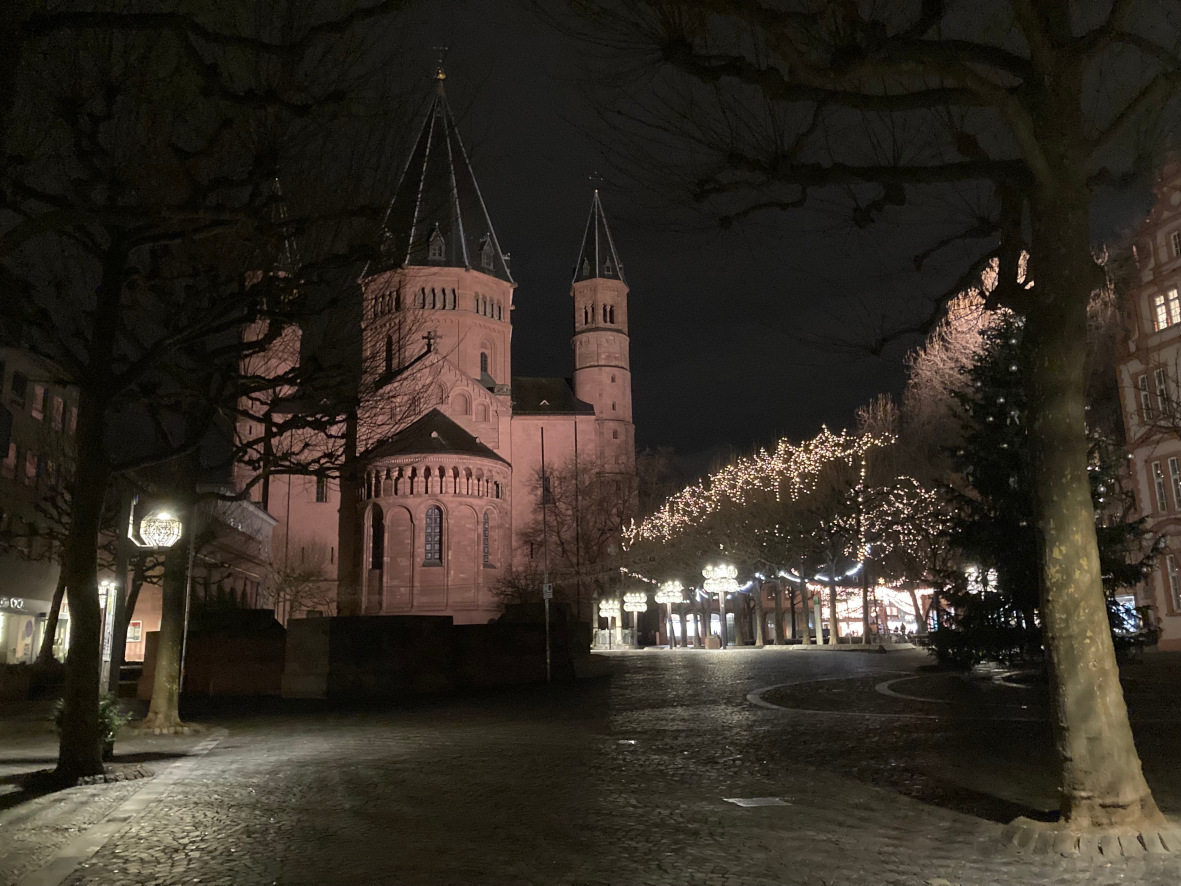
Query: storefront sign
{"type": "Point", "coordinates": [23, 605]}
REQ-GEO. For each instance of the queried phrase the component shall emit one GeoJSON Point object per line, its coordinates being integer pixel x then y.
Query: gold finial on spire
{"type": "Point", "coordinates": [440, 74]}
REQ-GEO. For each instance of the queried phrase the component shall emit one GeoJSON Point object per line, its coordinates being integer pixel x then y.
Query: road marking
{"type": "Point", "coordinates": [83, 847]}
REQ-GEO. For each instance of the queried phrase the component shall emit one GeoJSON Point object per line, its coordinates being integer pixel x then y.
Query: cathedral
{"type": "Point", "coordinates": [449, 443]}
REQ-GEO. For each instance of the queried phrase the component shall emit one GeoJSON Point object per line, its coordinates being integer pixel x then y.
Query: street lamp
{"type": "Point", "coordinates": [159, 530]}
{"type": "Point", "coordinates": [635, 602]}
{"type": "Point", "coordinates": [720, 579]}
{"type": "Point", "coordinates": [106, 601]}
{"type": "Point", "coordinates": [670, 593]}
{"type": "Point", "coordinates": [609, 609]}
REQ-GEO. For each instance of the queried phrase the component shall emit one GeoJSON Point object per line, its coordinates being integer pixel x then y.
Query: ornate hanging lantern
{"type": "Point", "coordinates": [160, 530]}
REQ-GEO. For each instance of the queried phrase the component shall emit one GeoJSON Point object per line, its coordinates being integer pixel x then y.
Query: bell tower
{"type": "Point", "coordinates": [602, 363]}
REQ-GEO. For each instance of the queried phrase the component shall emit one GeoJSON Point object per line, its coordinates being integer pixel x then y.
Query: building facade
{"type": "Point", "coordinates": [450, 444]}
{"type": "Point", "coordinates": [1149, 370]}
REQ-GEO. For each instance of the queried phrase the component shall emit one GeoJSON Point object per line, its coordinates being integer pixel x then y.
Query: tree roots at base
{"type": "Point", "coordinates": [1156, 837]}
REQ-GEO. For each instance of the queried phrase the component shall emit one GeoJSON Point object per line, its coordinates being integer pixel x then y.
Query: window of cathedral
{"type": "Point", "coordinates": [426, 482]}
{"type": "Point", "coordinates": [398, 300]}
{"type": "Point", "coordinates": [612, 379]}
{"type": "Point", "coordinates": [413, 480]}
{"type": "Point", "coordinates": [437, 248]}
{"type": "Point", "coordinates": [611, 314]}
{"type": "Point", "coordinates": [615, 435]}
{"type": "Point", "coordinates": [476, 308]}
{"type": "Point", "coordinates": [613, 407]}
{"type": "Point", "coordinates": [604, 313]}
{"type": "Point", "coordinates": [376, 538]}
{"type": "Point", "coordinates": [486, 254]}
{"type": "Point", "coordinates": [483, 361]}
{"type": "Point", "coordinates": [487, 541]}
{"type": "Point", "coordinates": [434, 299]}
{"type": "Point", "coordinates": [455, 481]}
{"type": "Point", "coordinates": [585, 267]}
{"type": "Point", "coordinates": [586, 316]}
{"type": "Point", "coordinates": [433, 537]}
{"type": "Point", "coordinates": [608, 268]}
{"type": "Point", "coordinates": [482, 412]}
{"type": "Point", "coordinates": [461, 404]}
{"type": "Point", "coordinates": [321, 489]}
{"type": "Point", "coordinates": [389, 354]}
{"type": "Point", "coordinates": [453, 297]}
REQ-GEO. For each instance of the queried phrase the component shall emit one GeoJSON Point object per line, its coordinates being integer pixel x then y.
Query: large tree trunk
{"type": "Point", "coordinates": [779, 638]}
{"type": "Point", "coordinates": [805, 632]}
{"type": "Point", "coordinates": [760, 619]}
{"type": "Point", "coordinates": [80, 745]}
{"type": "Point", "coordinates": [120, 593]}
{"type": "Point", "coordinates": [684, 628]}
{"type": "Point", "coordinates": [164, 711]}
{"type": "Point", "coordinates": [45, 654]}
{"type": "Point", "coordinates": [920, 616]}
{"type": "Point", "coordinates": [1102, 782]}
{"type": "Point", "coordinates": [348, 543]}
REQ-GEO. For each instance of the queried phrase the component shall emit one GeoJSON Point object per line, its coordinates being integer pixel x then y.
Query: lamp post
{"type": "Point", "coordinates": [609, 609]}
{"type": "Point", "coordinates": [106, 601]}
{"type": "Point", "coordinates": [635, 602]}
{"type": "Point", "coordinates": [720, 579]}
{"type": "Point", "coordinates": [669, 593]}
{"type": "Point", "coordinates": [160, 530]}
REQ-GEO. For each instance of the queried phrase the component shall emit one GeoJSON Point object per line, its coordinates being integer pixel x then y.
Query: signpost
{"type": "Point", "coordinates": [547, 594]}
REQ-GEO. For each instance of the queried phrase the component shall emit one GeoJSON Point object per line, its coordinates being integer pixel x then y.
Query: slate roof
{"type": "Point", "coordinates": [433, 434]}
{"type": "Point", "coordinates": [547, 396]}
{"type": "Point", "coordinates": [598, 257]}
{"type": "Point", "coordinates": [437, 196]}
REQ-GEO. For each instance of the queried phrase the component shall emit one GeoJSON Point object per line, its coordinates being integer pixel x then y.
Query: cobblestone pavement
{"type": "Point", "coordinates": [623, 782]}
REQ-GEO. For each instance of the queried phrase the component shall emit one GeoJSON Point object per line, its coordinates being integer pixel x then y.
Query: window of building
{"type": "Point", "coordinates": [437, 249]}
{"type": "Point", "coordinates": [482, 412]}
{"type": "Point", "coordinates": [608, 268]}
{"type": "Point", "coordinates": [58, 414]}
{"type": "Point", "coordinates": [486, 254]}
{"type": "Point", "coordinates": [604, 313]}
{"type": "Point", "coordinates": [321, 489]}
{"type": "Point", "coordinates": [615, 435]}
{"type": "Point", "coordinates": [1158, 479]}
{"type": "Point", "coordinates": [376, 539]}
{"type": "Point", "coordinates": [612, 407]}
{"type": "Point", "coordinates": [389, 354]}
{"type": "Point", "coordinates": [1176, 243]}
{"type": "Point", "coordinates": [1162, 388]}
{"type": "Point", "coordinates": [487, 540]}
{"type": "Point", "coordinates": [1174, 577]}
{"type": "Point", "coordinates": [1166, 310]}
{"type": "Point", "coordinates": [483, 361]}
{"type": "Point", "coordinates": [611, 315]}
{"type": "Point", "coordinates": [586, 316]}
{"type": "Point", "coordinates": [20, 389]}
{"type": "Point", "coordinates": [1145, 398]}
{"type": "Point", "coordinates": [433, 537]}
{"type": "Point", "coordinates": [1175, 477]}
{"type": "Point", "coordinates": [39, 397]}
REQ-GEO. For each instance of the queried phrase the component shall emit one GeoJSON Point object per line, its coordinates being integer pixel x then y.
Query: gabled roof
{"type": "Point", "coordinates": [547, 396]}
{"type": "Point", "coordinates": [437, 199]}
{"type": "Point", "coordinates": [598, 257]}
{"type": "Point", "coordinates": [433, 434]}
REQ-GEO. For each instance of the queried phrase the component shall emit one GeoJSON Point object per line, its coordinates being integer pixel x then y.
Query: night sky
{"type": "Point", "coordinates": [737, 337]}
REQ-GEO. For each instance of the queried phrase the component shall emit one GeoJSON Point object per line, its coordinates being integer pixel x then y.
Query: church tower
{"type": "Point", "coordinates": [602, 363]}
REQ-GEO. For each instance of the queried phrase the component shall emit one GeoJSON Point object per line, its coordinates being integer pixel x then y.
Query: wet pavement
{"type": "Point", "coordinates": [869, 771]}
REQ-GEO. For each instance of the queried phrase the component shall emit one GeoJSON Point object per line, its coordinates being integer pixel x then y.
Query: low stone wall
{"type": "Point", "coordinates": [397, 656]}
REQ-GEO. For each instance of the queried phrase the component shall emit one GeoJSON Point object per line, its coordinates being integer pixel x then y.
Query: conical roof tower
{"type": "Point", "coordinates": [598, 257]}
{"type": "Point", "coordinates": [437, 216]}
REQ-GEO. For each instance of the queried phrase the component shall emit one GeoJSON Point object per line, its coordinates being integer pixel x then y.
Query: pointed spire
{"type": "Point", "coordinates": [437, 216]}
{"type": "Point", "coordinates": [598, 257]}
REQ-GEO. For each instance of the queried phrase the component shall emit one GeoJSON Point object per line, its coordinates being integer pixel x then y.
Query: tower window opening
{"type": "Point", "coordinates": [437, 247]}
{"type": "Point", "coordinates": [321, 489]}
{"type": "Point", "coordinates": [608, 269]}
{"type": "Point", "coordinates": [487, 541]}
{"type": "Point", "coordinates": [453, 296]}
{"type": "Point", "coordinates": [398, 300]}
{"type": "Point", "coordinates": [613, 407]}
{"type": "Point", "coordinates": [376, 539]}
{"type": "Point", "coordinates": [486, 254]}
{"type": "Point", "coordinates": [615, 435]}
{"type": "Point", "coordinates": [604, 313]}
{"type": "Point", "coordinates": [612, 379]}
{"type": "Point", "coordinates": [433, 537]}
{"type": "Point", "coordinates": [476, 308]}
{"type": "Point", "coordinates": [389, 354]}
{"type": "Point", "coordinates": [586, 267]}
{"type": "Point", "coordinates": [586, 316]}
{"type": "Point", "coordinates": [611, 314]}
{"type": "Point", "coordinates": [483, 362]}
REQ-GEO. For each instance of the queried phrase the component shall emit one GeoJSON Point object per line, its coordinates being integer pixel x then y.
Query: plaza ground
{"type": "Point", "coordinates": [879, 772]}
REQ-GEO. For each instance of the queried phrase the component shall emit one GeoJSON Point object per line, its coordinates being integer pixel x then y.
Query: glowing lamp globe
{"type": "Point", "coordinates": [160, 530]}
{"type": "Point", "coordinates": [635, 601]}
{"type": "Point", "coordinates": [608, 609]}
{"type": "Point", "coordinates": [720, 579]}
{"type": "Point", "coordinates": [670, 593]}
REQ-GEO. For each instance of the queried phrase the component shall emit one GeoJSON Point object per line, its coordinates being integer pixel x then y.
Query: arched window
{"type": "Point", "coordinates": [612, 407]}
{"type": "Point", "coordinates": [452, 305]}
{"type": "Point", "coordinates": [437, 247]}
{"type": "Point", "coordinates": [586, 267]}
{"type": "Point", "coordinates": [611, 315]}
{"type": "Point", "coordinates": [484, 307]}
{"type": "Point", "coordinates": [461, 404]}
{"type": "Point", "coordinates": [426, 481]}
{"type": "Point", "coordinates": [486, 254]}
{"type": "Point", "coordinates": [434, 298]}
{"type": "Point", "coordinates": [608, 268]}
{"type": "Point", "coordinates": [399, 486]}
{"type": "Point", "coordinates": [482, 412]}
{"type": "Point", "coordinates": [413, 480]}
{"type": "Point", "coordinates": [389, 353]}
{"type": "Point", "coordinates": [398, 300]}
{"type": "Point", "coordinates": [477, 305]}
{"type": "Point", "coordinates": [586, 316]}
{"type": "Point", "coordinates": [483, 361]}
{"type": "Point", "coordinates": [615, 435]}
{"type": "Point", "coordinates": [487, 539]}
{"type": "Point", "coordinates": [422, 298]}
{"type": "Point", "coordinates": [433, 537]}
{"type": "Point", "coordinates": [604, 313]}
{"type": "Point", "coordinates": [455, 480]}
{"type": "Point", "coordinates": [499, 311]}
{"type": "Point", "coordinates": [376, 539]}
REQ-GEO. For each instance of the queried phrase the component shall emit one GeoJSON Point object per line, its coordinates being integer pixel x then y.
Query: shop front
{"type": "Point", "coordinates": [22, 623]}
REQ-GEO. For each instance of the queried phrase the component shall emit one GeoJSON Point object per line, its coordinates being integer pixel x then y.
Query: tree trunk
{"type": "Point", "coordinates": [45, 654]}
{"type": "Point", "coordinates": [80, 745]}
{"type": "Point", "coordinates": [164, 711]}
{"type": "Point", "coordinates": [779, 638]}
{"type": "Point", "coordinates": [684, 628]}
{"type": "Point", "coordinates": [119, 594]}
{"type": "Point", "coordinates": [760, 618]}
{"type": "Point", "coordinates": [722, 619]}
{"type": "Point", "coordinates": [1102, 782]}
{"type": "Point", "coordinates": [834, 633]}
{"type": "Point", "coordinates": [805, 631]}
{"type": "Point", "coordinates": [920, 616]}
{"type": "Point", "coordinates": [349, 526]}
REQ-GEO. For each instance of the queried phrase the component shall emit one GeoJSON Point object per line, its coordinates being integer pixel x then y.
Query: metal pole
{"type": "Point", "coordinates": [184, 637]}
{"type": "Point", "coordinates": [545, 590]}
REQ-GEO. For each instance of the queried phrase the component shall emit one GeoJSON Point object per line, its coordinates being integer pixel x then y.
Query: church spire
{"type": "Point", "coordinates": [598, 257]}
{"type": "Point", "coordinates": [437, 216]}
